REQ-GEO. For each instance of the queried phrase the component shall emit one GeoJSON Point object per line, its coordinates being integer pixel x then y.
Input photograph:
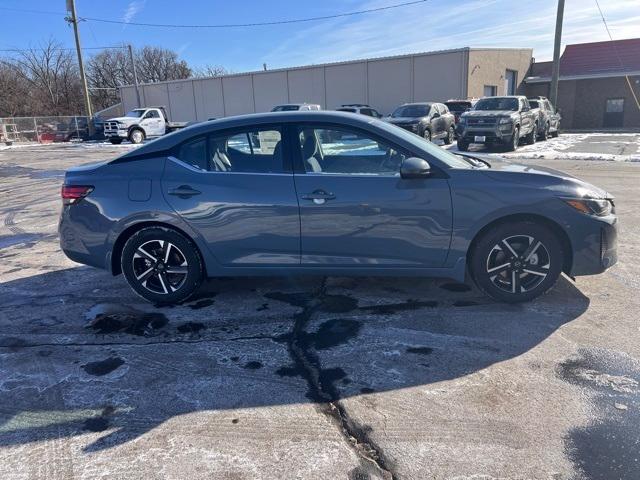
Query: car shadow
{"type": "Point", "coordinates": [80, 353]}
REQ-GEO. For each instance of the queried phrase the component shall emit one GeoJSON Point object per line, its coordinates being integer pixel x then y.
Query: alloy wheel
{"type": "Point", "coordinates": [518, 264]}
{"type": "Point", "coordinates": [160, 266]}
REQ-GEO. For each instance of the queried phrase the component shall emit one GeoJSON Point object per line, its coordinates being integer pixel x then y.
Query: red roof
{"type": "Point", "coordinates": [597, 58]}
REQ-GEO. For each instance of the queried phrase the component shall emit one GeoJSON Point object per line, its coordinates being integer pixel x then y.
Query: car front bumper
{"type": "Point", "coordinates": [493, 134]}
{"type": "Point", "coordinates": [595, 245]}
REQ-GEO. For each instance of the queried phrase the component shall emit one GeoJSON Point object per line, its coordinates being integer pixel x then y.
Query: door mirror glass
{"type": "Point", "coordinates": [435, 115]}
{"type": "Point", "coordinates": [414, 167]}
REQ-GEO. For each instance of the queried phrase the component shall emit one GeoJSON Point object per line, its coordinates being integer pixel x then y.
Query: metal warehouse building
{"type": "Point", "coordinates": [382, 83]}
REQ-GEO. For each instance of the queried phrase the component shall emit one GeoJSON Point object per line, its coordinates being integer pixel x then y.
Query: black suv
{"type": "Point", "coordinates": [429, 120]}
{"type": "Point", "coordinates": [498, 121]}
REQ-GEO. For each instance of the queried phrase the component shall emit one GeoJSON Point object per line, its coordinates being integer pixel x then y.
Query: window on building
{"type": "Point", "coordinates": [510, 82]}
{"type": "Point", "coordinates": [615, 105]}
{"type": "Point", "coordinates": [490, 90]}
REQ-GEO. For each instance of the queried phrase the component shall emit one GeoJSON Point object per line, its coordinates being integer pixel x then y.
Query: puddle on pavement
{"type": "Point", "coordinates": [103, 367]}
{"type": "Point", "coordinates": [333, 333]}
{"type": "Point", "coordinates": [391, 308]}
{"type": "Point", "coordinates": [111, 318]}
{"type": "Point", "coordinates": [252, 365]}
{"type": "Point", "coordinates": [608, 447]}
{"type": "Point", "coordinates": [420, 350]}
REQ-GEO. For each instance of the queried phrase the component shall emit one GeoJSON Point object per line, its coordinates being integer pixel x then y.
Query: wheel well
{"type": "Point", "coordinates": [539, 219]}
{"type": "Point", "coordinates": [137, 127]}
{"type": "Point", "coordinates": [118, 246]}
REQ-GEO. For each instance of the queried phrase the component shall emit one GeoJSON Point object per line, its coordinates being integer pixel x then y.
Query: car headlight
{"type": "Point", "coordinates": [505, 121]}
{"type": "Point", "coordinates": [600, 207]}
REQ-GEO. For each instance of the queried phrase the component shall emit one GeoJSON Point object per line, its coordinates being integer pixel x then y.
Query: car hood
{"type": "Point", "coordinates": [123, 119]}
{"type": "Point", "coordinates": [488, 113]}
{"type": "Point", "coordinates": [403, 119]}
{"type": "Point", "coordinates": [542, 177]}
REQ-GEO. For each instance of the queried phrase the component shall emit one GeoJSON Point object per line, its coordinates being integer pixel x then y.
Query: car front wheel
{"type": "Point", "coordinates": [162, 265]}
{"type": "Point", "coordinates": [515, 140]}
{"type": "Point", "coordinates": [516, 262]}
{"type": "Point", "coordinates": [136, 136]}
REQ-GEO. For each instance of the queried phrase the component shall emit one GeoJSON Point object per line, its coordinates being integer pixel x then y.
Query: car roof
{"type": "Point", "coordinates": [321, 116]}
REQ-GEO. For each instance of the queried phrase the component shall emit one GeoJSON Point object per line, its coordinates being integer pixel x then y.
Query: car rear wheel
{"type": "Point", "coordinates": [533, 135]}
{"type": "Point", "coordinates": [516, 262]}
{"type": "Point", "coordinates": [451, 135]}
{"type": "Point", "coordinates": [136, 136]}
{"type": "Point", "coordinates": [162, 265]}
{"type": "Point", "coordinates": [544, 134]}
{"type": "Point", "coordinates": [115, 140]}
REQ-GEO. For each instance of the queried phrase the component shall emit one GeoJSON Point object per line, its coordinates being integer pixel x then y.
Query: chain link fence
{"type": "Point", "coordinates": [43, 129]}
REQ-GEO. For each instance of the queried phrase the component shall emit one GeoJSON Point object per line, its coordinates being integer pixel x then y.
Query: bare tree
{"type": "Point", "coordinates": [52, 77]}
{"type": "Point", "coordinates": [210, 71]}
{"type": "Point", "coordinates": [110, 69]}
{"type": "Point", "coordinates": [157, 64]}
{"type": "Point", "coordinates": [14, 97]}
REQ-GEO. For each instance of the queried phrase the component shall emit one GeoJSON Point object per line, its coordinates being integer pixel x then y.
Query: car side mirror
{"type": "Point", "coordinates": [435, 115]}
{"type": "Point", "coordinates": [414, 167]}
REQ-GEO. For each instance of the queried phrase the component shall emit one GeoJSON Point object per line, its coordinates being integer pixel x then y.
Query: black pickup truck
{"type": "Point", "coordinates": [497, 121]}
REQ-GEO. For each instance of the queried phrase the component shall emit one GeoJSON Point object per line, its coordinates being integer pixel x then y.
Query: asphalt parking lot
{"type": "Point", "coordinates": [312, 378]}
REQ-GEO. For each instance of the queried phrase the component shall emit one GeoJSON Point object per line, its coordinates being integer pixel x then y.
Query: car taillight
{"type": "Point", "coordinates": [73, 193]}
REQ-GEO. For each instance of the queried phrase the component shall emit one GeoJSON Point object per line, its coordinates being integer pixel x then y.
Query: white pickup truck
{"type": "Point", "coordinates": [139, 124]}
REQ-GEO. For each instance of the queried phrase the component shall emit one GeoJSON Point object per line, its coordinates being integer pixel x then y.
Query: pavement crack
{"type": "Point", "coordinates": [322, 390]}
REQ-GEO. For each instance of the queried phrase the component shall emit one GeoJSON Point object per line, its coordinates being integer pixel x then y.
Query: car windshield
{"type": "Point", "coordinates": [458, 107]}
{"type": "Point", "coordinates": [411, 111]}
{"type": "Point", "coordinates": [497, 103]}
{"type": "Point", "coordinates": [533, 103]}
{"type": "Point", "coordinates": [135, 113]}
{"type": "Point", "coordinates": [453, 161]}
{"type": "Point", "coordinates": [286, 108]}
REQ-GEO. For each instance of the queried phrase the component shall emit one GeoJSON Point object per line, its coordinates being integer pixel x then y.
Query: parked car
{"type": "Point", "coordinates": [139, 124]}
{"type": "Point", "coordinates": [458, 107]}
{"type": "Point", "coordinates": [294, 107]}
{"type": "Point", "coordinates": [429, 120]}
{"type": "Point", "coordinates": [360, 108]}
{"type": "Point", "coordinates": [497, 121]}
{"type": "Point", "coordinates": [208, 201]}
{"type": "Point", "coordinates": [548, 117]}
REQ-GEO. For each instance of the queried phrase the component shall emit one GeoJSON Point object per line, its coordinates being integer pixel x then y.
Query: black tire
{"type": "Point", "coordinates": [531, 138]}
{"type": "Point", "coordinates": [516, 278]}
{"type": "Point", "coordinates": [136, 135]}
{"type": "Point", "coordinates": [451, 135]}
{"type": "Point", "coordinates": [463, 146]}
{"type": "Point", "coordinates": [545, 133]}
{"type": "Point", "coordinates": [556, 133]}
{"type": "Point", "coordinates": [427, 134]}
{"type": "Point", "coordinates": [167, 280]}
{"type": "Point", "coordinates": [115, 140]}
{"type": "Point", "coordinates": [512, 146]}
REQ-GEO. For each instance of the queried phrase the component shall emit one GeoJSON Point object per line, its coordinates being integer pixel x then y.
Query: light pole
{"type": "Point", "coordinates": [73, 19]}
{"type": "Point", "coordinates": [555, 71]}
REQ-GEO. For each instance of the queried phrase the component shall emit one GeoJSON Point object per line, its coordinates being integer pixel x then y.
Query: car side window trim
{"type": "Point", "coordinates": [173, 153]}
{"type": "Point", "coordinates": [296, 151]}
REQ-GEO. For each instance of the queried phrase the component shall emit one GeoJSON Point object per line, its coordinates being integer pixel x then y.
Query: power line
{"type": "Point", "coordinates": [62, 48]}
{"type": "Point", "coordinates": [232, 25]}
{"type": "Point", "coordinates": [615, 49]}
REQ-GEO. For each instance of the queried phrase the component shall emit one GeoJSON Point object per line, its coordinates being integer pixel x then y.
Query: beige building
{"type": "Point", "coordinates": [383, 83]}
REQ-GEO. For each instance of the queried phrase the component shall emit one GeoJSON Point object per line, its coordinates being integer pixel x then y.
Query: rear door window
{"type": "Point", "coordinates": [251, 151]}
{"type": "Point", "coordinates": [194, 153]}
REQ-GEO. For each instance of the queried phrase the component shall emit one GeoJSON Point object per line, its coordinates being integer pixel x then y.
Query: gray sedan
{"type": "Point", "coordinates": [328, 193]}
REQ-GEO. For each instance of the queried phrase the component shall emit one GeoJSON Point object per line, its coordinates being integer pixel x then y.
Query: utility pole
{"type": "Point", "coordinates": [555, 71]}
{"type": "Point", "coordinates": [135, 75]}
{"type": "Point", "coordinates": [73, 19]}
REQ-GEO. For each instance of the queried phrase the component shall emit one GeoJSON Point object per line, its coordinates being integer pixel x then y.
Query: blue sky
{"type": "Point", "coordinates": [433, 25]}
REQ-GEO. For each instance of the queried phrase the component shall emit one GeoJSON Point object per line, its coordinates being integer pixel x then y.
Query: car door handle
{"type": "Point", "coordinates": [318, 196]}
{"type": "Point", "coordinates": [184, 191]}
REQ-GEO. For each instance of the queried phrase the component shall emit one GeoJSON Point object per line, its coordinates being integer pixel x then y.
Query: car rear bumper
{"type": "Point", "coordinates": [79, 240]}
